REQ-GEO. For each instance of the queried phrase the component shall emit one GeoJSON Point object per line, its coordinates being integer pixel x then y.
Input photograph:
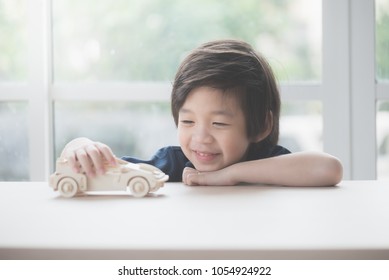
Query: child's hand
{"type": "Point", "coordinates": [88, 155]}
{"type": "Point", "coordinates": [192, 177]}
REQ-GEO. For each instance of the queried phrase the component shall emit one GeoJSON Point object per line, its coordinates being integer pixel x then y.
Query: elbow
{"type": "Point", "coordinates": [331, 171]}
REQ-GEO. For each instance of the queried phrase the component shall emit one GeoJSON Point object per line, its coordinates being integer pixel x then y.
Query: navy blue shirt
{"type": "Point", "coordinates": [172, 161]}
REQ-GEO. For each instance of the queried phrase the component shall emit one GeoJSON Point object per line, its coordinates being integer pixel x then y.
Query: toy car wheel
{"type": "Point", "coordinates": [67, 187]}
{"type": "Point", "coordinates": [139, 186]}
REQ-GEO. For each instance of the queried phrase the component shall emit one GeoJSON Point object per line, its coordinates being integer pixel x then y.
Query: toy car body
{"type": "Point", "coordinates": [140, 179]}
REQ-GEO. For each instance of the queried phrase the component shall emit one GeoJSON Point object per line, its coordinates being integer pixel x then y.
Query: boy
{"type": "Point", "coordinates": [226, 106]}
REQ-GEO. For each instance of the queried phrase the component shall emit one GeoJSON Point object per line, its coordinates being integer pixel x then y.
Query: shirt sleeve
{"type": "Point", "coordinates": [266, 152]}
{"type": "Point", "coordinates": [279, 150]}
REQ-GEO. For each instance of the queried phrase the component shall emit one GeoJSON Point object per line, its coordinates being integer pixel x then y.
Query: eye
{"type": "Point", "coordinates": [187, 122]}
{"type": "Point", "coordinates": [220, 124]}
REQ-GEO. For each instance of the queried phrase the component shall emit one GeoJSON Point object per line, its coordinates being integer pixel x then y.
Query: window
{"type": "Point", "coordinates": [129, 128]}
{"type": "Point", "coordinates": [383, 140]}
{"type": "Point", "coordinates": [13, 141]}
{"type": "Point", "coordinates": [13, 55]}
{"type": "Point", "coordinates": [382, 40]}
{"type": "Point", "coordinates": [14, 156]}
{"type": "Point", "coordinates": [145, 40]}
{"type": "Point", "coordinates": [104, 69]}
{"type": "Point", "coordinates": [382, 77]}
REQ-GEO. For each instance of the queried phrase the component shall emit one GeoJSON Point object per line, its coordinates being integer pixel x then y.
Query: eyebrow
{"type": "Point", "coordinates": [226, 113]}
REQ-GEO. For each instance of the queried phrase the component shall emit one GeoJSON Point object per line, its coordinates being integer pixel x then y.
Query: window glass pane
{"type": "Point", "coordinates": [13, 51]}
{"type": "Point", "coordinates": [382, 39]}
{"type": "Point", "coordinates": [134, 129]}
{"type": "Point", "coordinates": [383, 140]}
{"type": "Point", "coordinates": [14, 158]}
{"type": "Point", "coordinates": [145, 40]}
{"type": "Point", "coordinates": [301, 126]}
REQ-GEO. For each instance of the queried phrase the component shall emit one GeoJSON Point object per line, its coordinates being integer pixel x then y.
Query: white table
{"type": "Point", "coordinates": [350, 221]}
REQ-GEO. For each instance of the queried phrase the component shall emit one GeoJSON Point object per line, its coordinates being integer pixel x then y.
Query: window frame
{"type": "Point", "coordinates": [348, 87]}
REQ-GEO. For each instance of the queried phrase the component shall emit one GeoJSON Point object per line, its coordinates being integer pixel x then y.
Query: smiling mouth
{"type": "Point", "coordinates": [204, 156]}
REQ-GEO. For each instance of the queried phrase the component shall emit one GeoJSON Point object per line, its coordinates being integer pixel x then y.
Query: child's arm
{"type": "Point", "coordinates": [88, 154]}
{"type": "Point", "coordinates": [296, 169]}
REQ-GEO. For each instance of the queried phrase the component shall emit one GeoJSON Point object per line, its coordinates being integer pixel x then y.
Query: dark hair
{"type": "Point", "coordinates": [233, 67]}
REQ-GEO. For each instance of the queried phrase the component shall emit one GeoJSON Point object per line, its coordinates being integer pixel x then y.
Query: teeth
{"type": "Point", "coordinates": [204, 154]}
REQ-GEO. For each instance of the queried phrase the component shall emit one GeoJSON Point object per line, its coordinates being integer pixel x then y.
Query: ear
{"type": "Point", "coordinates": [266, 132]}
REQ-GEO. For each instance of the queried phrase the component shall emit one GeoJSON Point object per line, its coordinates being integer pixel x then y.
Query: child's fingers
{"type": "Point", "coordinates": [72, 161]}
{"type": "Point", "coordinates": [85, 161]}
{"type": "Point", "coordinates": [191, 176]}
{"type": "Point", "coordinates": [106, 152]}
{"type": "Point", "coordinates": [96, 159]}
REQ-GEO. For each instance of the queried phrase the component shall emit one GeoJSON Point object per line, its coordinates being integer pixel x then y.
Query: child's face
{"type": "Point", "coordinates": [212, 129]}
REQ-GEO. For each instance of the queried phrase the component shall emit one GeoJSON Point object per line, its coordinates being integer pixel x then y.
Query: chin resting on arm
{"type": "Point", "coordinates": [297, 169]}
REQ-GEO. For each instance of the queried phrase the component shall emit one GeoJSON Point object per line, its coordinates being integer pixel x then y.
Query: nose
{"type": "Point", "coordinates": [202, 135]}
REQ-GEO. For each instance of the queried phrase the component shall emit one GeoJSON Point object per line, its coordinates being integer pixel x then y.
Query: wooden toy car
{"type": "Point", "coordinates": [140, 179]}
